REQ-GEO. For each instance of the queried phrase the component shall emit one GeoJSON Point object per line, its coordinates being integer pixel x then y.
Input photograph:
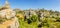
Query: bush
{"type": "Point", "coordinates": [34, 18]}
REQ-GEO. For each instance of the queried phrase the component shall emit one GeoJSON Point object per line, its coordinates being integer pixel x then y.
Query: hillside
{"type": "Point", "coordinates": [38, 18]}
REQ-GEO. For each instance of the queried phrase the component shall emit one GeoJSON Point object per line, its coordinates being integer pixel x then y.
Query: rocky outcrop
{"type": "Point", "coordinates": [14, 24]}
{"type": "Point", "coordinates": [9, 15]}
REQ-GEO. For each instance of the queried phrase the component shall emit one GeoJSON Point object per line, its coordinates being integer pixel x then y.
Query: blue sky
{"type": "Point", "coordinates": [26, 4]}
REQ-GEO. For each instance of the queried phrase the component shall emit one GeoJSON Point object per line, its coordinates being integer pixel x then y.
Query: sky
{"type": "Point", "coordinates": [34, 4]}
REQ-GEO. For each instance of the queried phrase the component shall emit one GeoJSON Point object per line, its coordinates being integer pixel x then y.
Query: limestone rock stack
{"type": "Point", "coordinates": [6, 13]}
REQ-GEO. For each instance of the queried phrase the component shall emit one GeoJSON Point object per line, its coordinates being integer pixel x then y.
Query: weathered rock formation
{"type": "Point", "coordinates": [10, 20]}
{"type": "Point", "coordinates": [29, 13]}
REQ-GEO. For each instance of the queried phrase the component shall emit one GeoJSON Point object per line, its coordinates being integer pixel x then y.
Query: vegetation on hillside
{"type": "Point", "coordinates": [51, 19]}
